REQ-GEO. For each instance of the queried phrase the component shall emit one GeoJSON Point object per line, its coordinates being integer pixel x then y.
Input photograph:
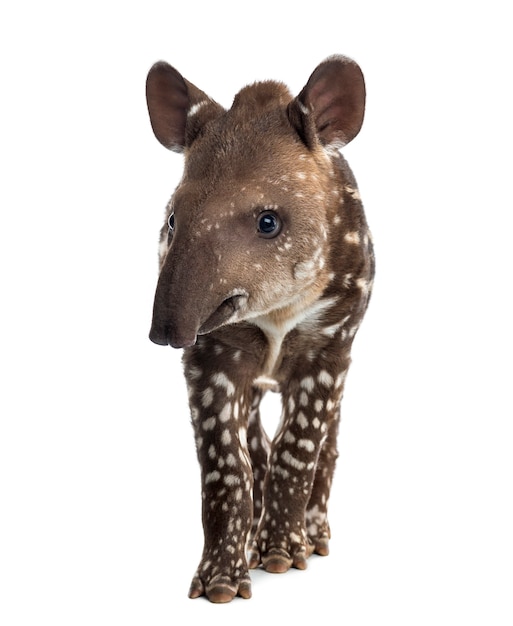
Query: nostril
{"type": "Point", "coordinates": [164, 335]}
{"type": "Point", "coordinates": [158, 334]}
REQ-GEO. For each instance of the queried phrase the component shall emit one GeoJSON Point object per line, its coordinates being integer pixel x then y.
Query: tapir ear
{"type": "Point", "coordinates": [177, 108]}
{"type": "Point", "coordinates": [332, 103]}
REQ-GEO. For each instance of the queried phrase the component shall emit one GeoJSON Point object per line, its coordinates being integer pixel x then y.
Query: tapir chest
{"type": "Point", "coordinates": [268, 355]}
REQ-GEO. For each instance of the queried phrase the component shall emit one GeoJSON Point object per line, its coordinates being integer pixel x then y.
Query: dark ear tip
{"type": "Point", "coordinates": [161, 70]}
{"type": "Point", "coordinates": [341, 59]}
{"type": "Point", "coordinates": [342, 63]}
{"type": "Point", "coordinates": [158, 64]}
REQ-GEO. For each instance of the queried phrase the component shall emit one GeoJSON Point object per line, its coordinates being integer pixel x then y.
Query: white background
{"type": "Point", "coordinates": [99, 487]}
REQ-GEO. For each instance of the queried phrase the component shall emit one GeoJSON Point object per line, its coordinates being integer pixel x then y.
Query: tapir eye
{"type": "Point", "coordinates": [268, 224]}
{"type": "Point", "coordinates": [171, 222]}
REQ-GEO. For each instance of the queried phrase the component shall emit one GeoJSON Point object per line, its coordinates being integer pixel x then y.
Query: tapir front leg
{"type": "Point", "coordinates": [220, 410]}
{"type": "Point", "coordinates": [297, 486]}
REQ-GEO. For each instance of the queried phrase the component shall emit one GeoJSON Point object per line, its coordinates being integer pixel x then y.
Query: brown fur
{"type": "Point", "coordinates": [255, 310]}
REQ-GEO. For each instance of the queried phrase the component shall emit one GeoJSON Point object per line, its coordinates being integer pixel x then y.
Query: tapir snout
{"type": "Point", "coordinates": [182, 332]}
{"type": "Point", "coordinates": [186, 304]}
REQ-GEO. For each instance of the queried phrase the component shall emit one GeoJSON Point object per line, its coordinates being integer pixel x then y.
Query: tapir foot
{"type": "Point", "coordinates": [321, 546]}
{"type": "Point", "coordinates": [279, 560]}
{"type": "Point", "coordinates": [220, 588]}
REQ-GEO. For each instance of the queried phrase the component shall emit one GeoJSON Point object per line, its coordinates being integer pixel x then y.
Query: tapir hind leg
{"type": "Point", "coordinates": [317, 526]}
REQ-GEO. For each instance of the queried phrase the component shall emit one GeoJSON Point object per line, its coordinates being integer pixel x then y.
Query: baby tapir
{"type": "Point", "coordinates": [266, 268]}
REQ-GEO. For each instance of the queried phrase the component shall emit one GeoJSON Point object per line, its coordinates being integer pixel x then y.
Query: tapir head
{"type": "Point", "coordinates": [247, 230]}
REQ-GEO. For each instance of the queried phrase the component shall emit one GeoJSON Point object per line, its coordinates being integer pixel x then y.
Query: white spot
{"type": "Point", "coordinates": [163, 248]}
{"type": "Point", "coordinates": [307, 444]}
{"type": "Point", "coordinates": [340, 379]}
{"type": "Point", "coordinates": [307, 383]}
{"type": "Point", "coordinates": [301, 420]}
{"type": "Point", "coordinates": [315, 515]}
{"type": "Point", "coordinates": [196, 107]}
{"type": "Point", "coordinates": [363, 284]}
{"type": "Point", "coordinates": [353, 192]}
{"type": "Point", "coordinates": [226, 438]}
{"type": "Point", "coordinates": [305, 111]}
{"type": "Point", "coordinates": [352, 237]}
{"type": "Point", "coordinates": [230, 480]}
{"type": "Point", "coordinates": [292, 461]}
{"type": "Point", "coordinates": [212, 477]}
{"type": "Point", "coordinates": [221, 380]}
{"type": "Point", "coordinates": [194, 373]}
{"type": "Point", "coordinates": [325, 378]}
{"type": "Point", "coordinates": [303, 269]}
{"type": "Point", "coordinates": [278, 469]}
{"type": "Point", "coordinates": [288, 437]}
{"type": "Point", "coordinates": [209, 424]}
{"type": "Point", "coordinates": [331, 331]}
{"type": "Point", "coordinates": [207, 397]}
{"type": "Point", "coordinates": [226, 412]}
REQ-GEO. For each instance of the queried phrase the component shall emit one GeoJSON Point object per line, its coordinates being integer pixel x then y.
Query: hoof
{"type": "Point", "coordinates": [220, 591]}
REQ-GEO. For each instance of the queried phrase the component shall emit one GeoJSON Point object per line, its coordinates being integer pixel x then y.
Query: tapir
{"type": "Point", "coordinates": [266, 269]}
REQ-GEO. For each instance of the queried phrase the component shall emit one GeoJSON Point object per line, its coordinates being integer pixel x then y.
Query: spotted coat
{"type": "Point", "coordinates": [266, 269]}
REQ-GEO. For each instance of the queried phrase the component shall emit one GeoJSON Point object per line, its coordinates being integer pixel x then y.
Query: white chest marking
{"type": "Point", "coordinates": [276, 332]}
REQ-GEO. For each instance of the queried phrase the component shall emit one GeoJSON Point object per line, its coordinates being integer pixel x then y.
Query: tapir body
{"type": "Point", "coordinates": [266, 269]}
